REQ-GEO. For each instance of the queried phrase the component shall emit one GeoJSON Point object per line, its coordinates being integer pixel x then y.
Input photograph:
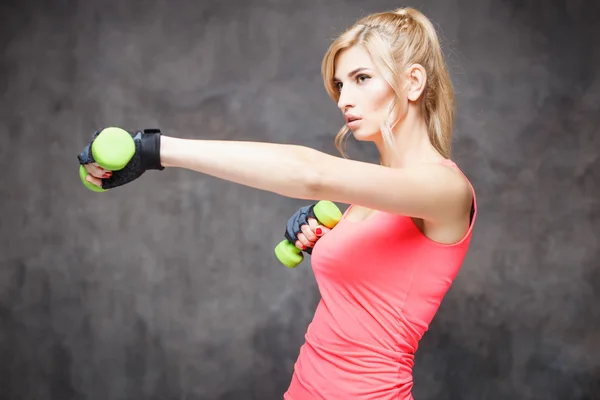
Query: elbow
{"type": "Point", "coordinates": [313, 176]}
{"type": "Point", "coordinates": [313, 187]}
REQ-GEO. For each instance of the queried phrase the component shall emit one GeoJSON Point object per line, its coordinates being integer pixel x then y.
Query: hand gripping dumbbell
{"type": "Point", "coordinates": [327, 214]}
{"type": "Point", "coordinates": [112, 149]}
{"type": "Point", "coordinates": [127, 154]}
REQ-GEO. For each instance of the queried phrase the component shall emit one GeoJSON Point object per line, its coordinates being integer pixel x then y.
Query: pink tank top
{"type": "Point", "coordinates": [381, 283]}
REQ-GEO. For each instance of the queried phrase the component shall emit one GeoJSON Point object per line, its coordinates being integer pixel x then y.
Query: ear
{"type": "Point", "coordinates": [416, 80]}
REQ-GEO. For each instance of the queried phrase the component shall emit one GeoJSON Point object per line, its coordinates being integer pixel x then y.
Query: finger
{"type": "Point", "coordinates": [94, 180]}
{"type": "Point", "coordinates": [104, 172]}
{"type": "Point", "coordinates": [317, 228]}
{"type": "Point", "coordinates": [302, 239]}
{"type": "Point", "coordinates": [299, 245]}
{"type": "Point", "coordinates": [309, 233]}
{"type": "Point", "coordinates": [93, 170]}
{"type": "Point", "coordinates": [97, 171]}
{"type": "Point", "coordinates": [321, 230]}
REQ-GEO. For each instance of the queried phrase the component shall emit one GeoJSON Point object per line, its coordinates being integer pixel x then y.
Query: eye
{"type": "Point", "coordinates": [362, 78]}
{"type": "Point", "coordinates": [338, 85]}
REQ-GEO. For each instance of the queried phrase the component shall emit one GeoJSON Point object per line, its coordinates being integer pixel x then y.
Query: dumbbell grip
{"type": "Point", "coordinates": [112, 148]}
{"type": "Point", "coordinates": [327, 214]}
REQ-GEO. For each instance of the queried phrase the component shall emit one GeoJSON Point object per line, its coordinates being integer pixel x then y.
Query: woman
{"type": "Point", "coordinates": [385, 268]}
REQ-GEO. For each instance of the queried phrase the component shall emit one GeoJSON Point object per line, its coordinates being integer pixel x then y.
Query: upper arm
{"type": "Point", "coordinates": [433, 192]}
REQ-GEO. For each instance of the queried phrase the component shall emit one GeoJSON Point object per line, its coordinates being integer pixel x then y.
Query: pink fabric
{"type": "Point", "coordinates": [381, 283]}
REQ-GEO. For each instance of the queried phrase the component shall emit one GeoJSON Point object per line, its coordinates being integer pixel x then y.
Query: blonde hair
{"type": "Point", "coordinates": [395, 40]}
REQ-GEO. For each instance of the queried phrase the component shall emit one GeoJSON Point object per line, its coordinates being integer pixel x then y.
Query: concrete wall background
{"type": "Point", "coordinates": [167, 288]}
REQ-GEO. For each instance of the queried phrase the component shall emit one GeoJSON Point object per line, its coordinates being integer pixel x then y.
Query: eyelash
{"type": "Point", "coordinates": [337, 84]}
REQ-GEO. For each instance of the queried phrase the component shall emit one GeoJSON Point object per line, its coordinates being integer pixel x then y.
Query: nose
{"type": "Point", "coordinates": [345, 100]}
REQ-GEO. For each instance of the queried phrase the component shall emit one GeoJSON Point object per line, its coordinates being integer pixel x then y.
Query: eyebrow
{"type": "Point", "coordinates": [351, 73]}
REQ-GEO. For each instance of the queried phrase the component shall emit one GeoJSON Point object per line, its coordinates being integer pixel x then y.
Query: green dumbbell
{"type": "Point", "coordinates": [328, 214]}
{"type": "Point", "coordinates": [112, 149]}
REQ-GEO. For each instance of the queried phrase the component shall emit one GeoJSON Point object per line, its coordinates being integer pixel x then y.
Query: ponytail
{"type": "Point", "coordinates": [438, 100]}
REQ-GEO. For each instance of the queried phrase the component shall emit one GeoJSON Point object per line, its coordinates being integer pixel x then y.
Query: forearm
{"type": "Point", "coordinates": [287, 170]}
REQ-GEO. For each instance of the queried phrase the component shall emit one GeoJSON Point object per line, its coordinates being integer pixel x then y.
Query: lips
{"type": "Point", "coordinates": [351, 118]}
{"type": "Point", "coordinates": [353, 124]}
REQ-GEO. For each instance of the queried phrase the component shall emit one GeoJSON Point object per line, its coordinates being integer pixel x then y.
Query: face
{"type": "Point", "coordinates": [364, 94]}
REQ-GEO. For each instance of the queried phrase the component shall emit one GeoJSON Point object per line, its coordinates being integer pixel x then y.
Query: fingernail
{"type": "Point", "coordinates": [106, 175]}
{"type": "Point", "coordinates": [319, 231]}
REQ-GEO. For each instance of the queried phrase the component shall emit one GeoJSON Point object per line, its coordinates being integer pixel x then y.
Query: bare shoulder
{"type": "Point", "coordinates": [452, 216]}
{"type": "Point", "coordinates": [455, 193]}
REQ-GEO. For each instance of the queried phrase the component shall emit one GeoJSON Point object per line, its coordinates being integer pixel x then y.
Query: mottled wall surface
{"type": "Point", "coordinates": [168, 288]}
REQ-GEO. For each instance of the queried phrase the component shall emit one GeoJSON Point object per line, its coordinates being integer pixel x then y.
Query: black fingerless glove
{"type": "Point", "coordinates": [146, 157]}
{"type": "Point", "coordinates": [296, 222]}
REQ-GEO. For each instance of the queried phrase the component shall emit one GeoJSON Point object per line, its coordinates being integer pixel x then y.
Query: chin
{"type": "Point", "coordinates": [364, 136]}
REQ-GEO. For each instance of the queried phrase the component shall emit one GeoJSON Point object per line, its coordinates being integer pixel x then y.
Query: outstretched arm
{"type": "Point", "coordinates": [433, 192]}
{"type": "Point", "coordinates": [288, 170]}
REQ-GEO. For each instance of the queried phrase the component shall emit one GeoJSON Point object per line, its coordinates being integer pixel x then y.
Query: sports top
{"type": "Point", "coordinates": [381, 282]}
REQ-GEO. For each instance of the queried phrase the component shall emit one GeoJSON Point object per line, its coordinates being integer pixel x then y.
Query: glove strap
{"type": "Point", "coordinates": [294, 225]}
{"type": "Point", "coordinates": [150, 157]}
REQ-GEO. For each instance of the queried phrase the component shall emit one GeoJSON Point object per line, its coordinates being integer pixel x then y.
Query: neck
{"type": "Point", "coordinates": [411, 143]}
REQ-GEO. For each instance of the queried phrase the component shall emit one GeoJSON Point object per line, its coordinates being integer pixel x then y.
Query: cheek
{"type": "Point", "coordinates": [380, 96]}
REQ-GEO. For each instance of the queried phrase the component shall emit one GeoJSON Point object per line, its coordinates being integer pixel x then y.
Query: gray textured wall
{"type": "Point", "coordinates": [168, 289]}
